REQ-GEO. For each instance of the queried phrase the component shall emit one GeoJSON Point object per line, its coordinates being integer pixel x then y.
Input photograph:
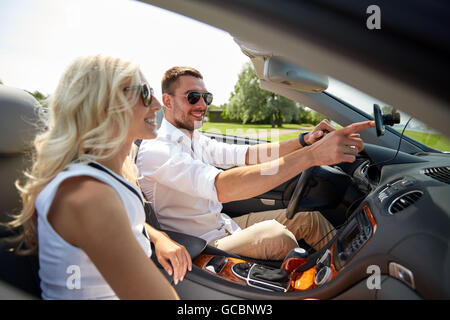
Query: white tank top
{"type": "Point", "coordinates": [65, 271]}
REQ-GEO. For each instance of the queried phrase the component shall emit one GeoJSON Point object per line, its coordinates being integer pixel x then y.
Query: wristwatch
{"type": "Point", "coordinates": [301, 139]}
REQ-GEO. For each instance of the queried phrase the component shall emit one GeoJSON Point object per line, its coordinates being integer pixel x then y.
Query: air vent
{"type": "Point", "coordinates": [404, 201]}
{"type": "Point", "coordinates": [441, 173]}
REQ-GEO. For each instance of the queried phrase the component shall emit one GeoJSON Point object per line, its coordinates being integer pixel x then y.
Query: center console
{"type": "Point", "coordinates": [353, 237]}
{"type": "Point", "coordinates": [298, 272]}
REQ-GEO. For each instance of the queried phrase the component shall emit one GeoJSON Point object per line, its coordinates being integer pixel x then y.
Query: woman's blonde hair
{"type": "Point", "coordinates": [87, 120]}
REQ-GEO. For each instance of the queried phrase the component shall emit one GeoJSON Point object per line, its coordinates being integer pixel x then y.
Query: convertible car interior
{"type": "Point", "coordinates": [390, 210]}
{"type": "Point", "coordinates": [390, 207]}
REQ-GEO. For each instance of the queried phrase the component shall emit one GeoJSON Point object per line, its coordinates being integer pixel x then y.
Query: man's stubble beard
{"type": "Point", "coordinates": [186, 124]}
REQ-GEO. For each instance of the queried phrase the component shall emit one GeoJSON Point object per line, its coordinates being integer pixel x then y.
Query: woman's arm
{"type": "Point", "coordinates": [101, 229]}
{"type": "Point", "coordinates": [174, 257]}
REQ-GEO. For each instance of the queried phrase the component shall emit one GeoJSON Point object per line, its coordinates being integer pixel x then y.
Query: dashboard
{"type": "Point", "coordinates": [398, 230]}
{"type": "Point", "coordinates": [402, 226]}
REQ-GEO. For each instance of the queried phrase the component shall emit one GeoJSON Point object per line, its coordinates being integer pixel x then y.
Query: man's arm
{"type": "Point", "coordinates": [249, 181]}
{"type": "Point", "coordinates": [246, 182]}
{"type": "Point", "coordinates": [260, 153]}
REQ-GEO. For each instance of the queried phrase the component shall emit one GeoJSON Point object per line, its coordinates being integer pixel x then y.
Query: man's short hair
{"type": "Point", "coordinates": [172, 75]}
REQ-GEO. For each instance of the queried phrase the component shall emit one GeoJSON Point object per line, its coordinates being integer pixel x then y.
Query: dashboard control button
{"type": "Point", "coordinates": [406, 183]}
{"type": "Point", "coordinates": [343, 256]}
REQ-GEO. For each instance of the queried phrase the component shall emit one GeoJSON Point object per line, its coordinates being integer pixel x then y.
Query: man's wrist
{"type": "Point", "coordinates": [301, 139]}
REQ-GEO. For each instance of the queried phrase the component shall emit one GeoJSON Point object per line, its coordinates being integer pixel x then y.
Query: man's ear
{"type": "Point", "coordinates": [166, 99]}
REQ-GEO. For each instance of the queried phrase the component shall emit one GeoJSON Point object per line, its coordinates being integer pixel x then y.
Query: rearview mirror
{"type": "Point", "coordinates": [294, 77]}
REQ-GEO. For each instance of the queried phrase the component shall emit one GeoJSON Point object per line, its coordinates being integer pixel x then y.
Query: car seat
{"type": "Point", "coordinates": [18, 129]}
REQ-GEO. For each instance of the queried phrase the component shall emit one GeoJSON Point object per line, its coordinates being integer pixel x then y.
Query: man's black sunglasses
{"type": "Point", "coordinates": [194, 96]}
{"type": "Point", "coordinates": [146, 92]}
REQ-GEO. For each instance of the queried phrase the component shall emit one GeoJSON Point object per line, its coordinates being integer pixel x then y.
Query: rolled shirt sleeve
{"type": "Point", "coordinates": [177, 170]}
{"type": "Point", "coordinates": [222, 154]}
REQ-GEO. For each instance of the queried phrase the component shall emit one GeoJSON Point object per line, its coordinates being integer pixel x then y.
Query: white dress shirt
{"type": "Point", "coordinates": [177, 176]}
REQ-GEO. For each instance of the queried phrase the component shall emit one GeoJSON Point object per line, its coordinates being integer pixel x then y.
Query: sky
{"type": "Point", "coordinates": [39, 38]}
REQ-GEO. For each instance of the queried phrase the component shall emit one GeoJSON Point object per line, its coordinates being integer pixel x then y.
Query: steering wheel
{"type": "Point", "coordinates": [318, 188]}
{"type": "Point", "coordinates": [299, 191]}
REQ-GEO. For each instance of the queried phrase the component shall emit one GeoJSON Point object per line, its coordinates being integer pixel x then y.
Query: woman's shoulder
{"type": "Point", "coordinates": [82, 195]}
{"type": "Point", "coordinates": [74, 177]}
{"type": "Point", "coordinates": [82, 189]}
{"type": "Point", "coordinates": [82, 203]}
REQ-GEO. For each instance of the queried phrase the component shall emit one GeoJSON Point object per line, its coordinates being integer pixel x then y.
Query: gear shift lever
{"type": "Point", "coordinates": [294, 259]}
{"type": "Point", "coordinates": [269, 278]}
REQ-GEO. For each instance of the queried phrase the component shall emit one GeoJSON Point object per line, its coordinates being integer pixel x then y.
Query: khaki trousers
{"type": "Point", "coordinates": [269, 235]}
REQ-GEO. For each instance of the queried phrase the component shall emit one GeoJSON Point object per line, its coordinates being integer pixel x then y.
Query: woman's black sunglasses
{"type": "Point", "coordinates": [194, 96]}
{"type": "Point", "coordinates": [146, 92]}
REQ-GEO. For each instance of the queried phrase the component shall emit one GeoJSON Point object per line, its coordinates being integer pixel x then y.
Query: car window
{"type": "Point", "coordinates": [415, 129]}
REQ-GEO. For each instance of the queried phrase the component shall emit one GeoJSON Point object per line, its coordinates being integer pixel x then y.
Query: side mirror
{"type": "Point", "coordinates": [279, 71]}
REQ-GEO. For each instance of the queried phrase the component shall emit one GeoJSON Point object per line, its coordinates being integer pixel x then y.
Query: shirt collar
{"type": "Point", "coordinates": [170, 132]}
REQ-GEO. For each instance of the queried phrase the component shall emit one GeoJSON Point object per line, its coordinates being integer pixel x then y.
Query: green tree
{"type": "Point", "coordinates": [308, 116]}
{"type": "Point", "coordinates": [39, 96]}
{"type": "Point", "coordinates": [251, 104]}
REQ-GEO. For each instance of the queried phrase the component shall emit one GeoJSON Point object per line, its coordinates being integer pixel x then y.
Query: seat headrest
{"type": "Point", "coordinates": [18, 120]}
{"type": "Point", "coordinates": [159, 117]}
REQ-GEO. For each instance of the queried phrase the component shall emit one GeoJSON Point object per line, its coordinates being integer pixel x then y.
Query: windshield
{"type": "Point", "coordinates": [415, 129]}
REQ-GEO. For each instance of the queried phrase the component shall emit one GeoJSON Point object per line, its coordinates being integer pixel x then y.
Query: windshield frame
{"type": "Point", "coordinates": [363, 113]}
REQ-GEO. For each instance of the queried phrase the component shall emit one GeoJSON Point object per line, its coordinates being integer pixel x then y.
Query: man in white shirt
{"type": "Point", "coordinates": [180, 176]}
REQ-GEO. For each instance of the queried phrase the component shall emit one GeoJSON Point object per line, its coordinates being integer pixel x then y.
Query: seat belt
{"type": "Point", "coordinates": [101, 168]}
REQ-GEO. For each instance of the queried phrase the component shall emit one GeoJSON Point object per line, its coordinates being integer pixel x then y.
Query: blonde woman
{"type": "Point", "coordinates": [86, 220]}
